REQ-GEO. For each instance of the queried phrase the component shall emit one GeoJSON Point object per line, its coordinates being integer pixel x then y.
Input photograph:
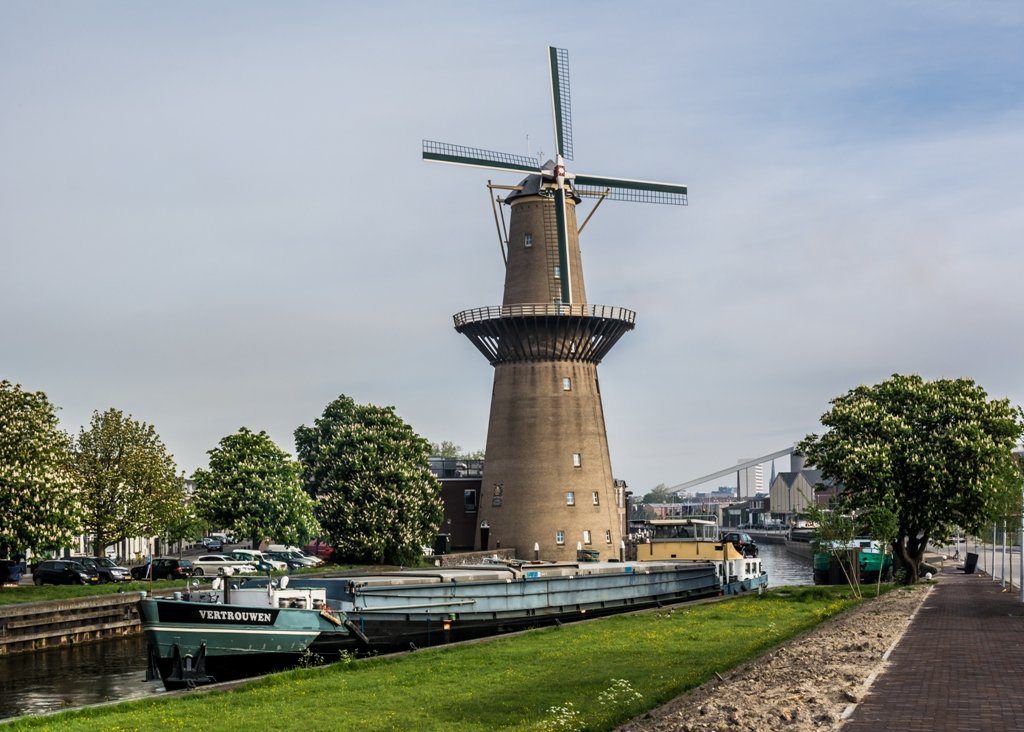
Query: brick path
{"type": "Point", "coordinates": [958, 668]}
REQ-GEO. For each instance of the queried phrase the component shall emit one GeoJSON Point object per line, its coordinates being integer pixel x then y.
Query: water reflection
{"type": "Point", "coordinates": [61, 678]}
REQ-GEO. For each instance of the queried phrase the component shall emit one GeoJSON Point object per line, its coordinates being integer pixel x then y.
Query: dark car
{"type": "Point", "coordinates": [743, 542]}
{"type": "Point", "coordinates": [108, 569]}
{"type": "Point", "coordinates": [163, 568]}
{"type": "Point", "coordinates": [291, 561]}
{"type": "Point", "coordinates": [64, 572]}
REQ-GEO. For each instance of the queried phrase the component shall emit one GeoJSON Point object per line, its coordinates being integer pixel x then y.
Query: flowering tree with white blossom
{"type": "Point", "coordinates": [368, 473]}
{"type": "Point", "coordinates": [252, 488]}
{"type": "Point", "coordinates": [937, 454]}
{"type": "Point", "coordinates": [39, 508]}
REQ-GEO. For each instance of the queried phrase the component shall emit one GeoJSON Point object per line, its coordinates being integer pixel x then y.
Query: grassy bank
{"type": "Point", "coordinates": [589, 676]}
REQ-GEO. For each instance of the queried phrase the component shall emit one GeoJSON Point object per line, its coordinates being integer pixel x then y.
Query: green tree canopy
{"type": "Point", "coordinates": [128, 484]}
{"type": "Point", "coordinates": [253, 489]}
{"type": "Point", "coordinates": [659, 494]}
{"type": "Point", "coordinates": [937, 454]}
{"type": "Point", "coordinates": [367, 470]}
{"type": "Point", "coordinates": [39, 504]}
{"type": "Point", "coordinates": [446, 449]}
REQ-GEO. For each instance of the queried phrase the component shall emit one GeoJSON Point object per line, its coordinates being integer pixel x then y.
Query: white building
{"type": "Point", "coordinates": [749, 481]}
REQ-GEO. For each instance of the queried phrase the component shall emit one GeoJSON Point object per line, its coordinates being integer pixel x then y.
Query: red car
{"type": "Point", "coordinates": [318, 549]}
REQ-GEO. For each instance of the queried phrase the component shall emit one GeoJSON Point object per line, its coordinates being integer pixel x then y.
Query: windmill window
{"type": "Point", "coordinates": [595, 497]}
{"type": "Point", "coordinates": [566, 383]}
{"type": "Point", "coordinates": [560, 537]}
{"type": "Point", "coordinates": [607, 536]}
{"type": "Point", "coordinates": [577, 460]}
{"type": "Point", "coordinates": [557, 272]}
{"type": "Point", "coordinates": [570, 498]}
{"type": "Point", "coordinates": [528, 240]}
{"type": "Point", "coordinates": [586, 536]}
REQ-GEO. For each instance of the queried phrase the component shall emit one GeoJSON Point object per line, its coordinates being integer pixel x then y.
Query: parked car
{"type": "Point", "coordinates": [219, 564]}
{"type": "Point", "coordinates": [743, 542]}
{"type": "Point", "coordinates": [163, 568]}
{"type": "Point", "coordinates": [256, 557]}
{"type": "Point", "coordinates": [108, 569]}
{"type": "Point", "coordinates": [295, 556]}
{"type": "Point", "coordinates": [292, 562]}
{"type": "Point", "coordinates": [296, 553]}
{"type": "Point", "coordinates": [213, 543]}
{"type": "Point", "coordinates": [318, 549]}
{"type": "Point", "coordinates": [64, 572]}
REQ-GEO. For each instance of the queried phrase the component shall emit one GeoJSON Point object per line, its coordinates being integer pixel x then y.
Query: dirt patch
{"type": "Point", "coordinates": [801, 686]}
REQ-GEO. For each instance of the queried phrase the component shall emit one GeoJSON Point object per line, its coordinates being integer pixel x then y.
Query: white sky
{"type": "Point", "coordinates": [215, 214]}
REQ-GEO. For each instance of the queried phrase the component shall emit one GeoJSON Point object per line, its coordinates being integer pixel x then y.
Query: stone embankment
{"type": "Point", "coordinates": [37, 625]}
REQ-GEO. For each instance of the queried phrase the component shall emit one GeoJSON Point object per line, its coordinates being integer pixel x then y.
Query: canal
{"type": "Point", "coordinates": [783, 567]}
{"type": "Point", "coordinates": [115, 669]}
{"type": "Point", "coordinates": [74, 676]}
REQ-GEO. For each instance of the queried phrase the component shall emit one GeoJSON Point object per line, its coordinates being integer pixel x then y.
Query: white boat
{"type": "Point", "coordinates": [699, 540]}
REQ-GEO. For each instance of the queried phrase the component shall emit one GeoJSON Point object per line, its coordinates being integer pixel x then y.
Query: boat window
{"type": "Point", "coordinates": [570, 498]}
{"type": "Point", "coordinates": [560, 537]}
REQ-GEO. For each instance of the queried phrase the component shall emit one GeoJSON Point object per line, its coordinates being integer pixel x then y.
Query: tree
{"type": "Point", "coordinates": [40, 507]}
{"type": "Point", "coordinates": [367, 470]}
{"type": "Point", "coordinates": [937, 454]}
{"type": "Point", "coordinates": [450, 450]}
{"type": "Point", "coordinates": [186, 526]}
{"type": "Point", "coordinates": [128, 482]}
{"type": "Point", "coordinates": [659, 494]}
{"type": "Point", "coordinates": [253, 489]}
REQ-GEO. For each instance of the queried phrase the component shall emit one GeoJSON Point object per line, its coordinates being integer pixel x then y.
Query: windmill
{"type": "Point", "coordinates": [547, 485]}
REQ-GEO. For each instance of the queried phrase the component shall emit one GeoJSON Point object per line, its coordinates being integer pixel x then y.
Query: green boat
{"type": "Point", "coordinates": [866, 552]}
{"type": "Point", "coordinates": [197, 638]}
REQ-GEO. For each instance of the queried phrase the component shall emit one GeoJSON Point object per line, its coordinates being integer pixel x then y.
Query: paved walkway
{"type": "Point", "coordinates": [958, 668]}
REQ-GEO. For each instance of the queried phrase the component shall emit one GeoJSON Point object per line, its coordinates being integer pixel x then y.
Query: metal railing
{"type": "Point", "coordinates": [534, 310]}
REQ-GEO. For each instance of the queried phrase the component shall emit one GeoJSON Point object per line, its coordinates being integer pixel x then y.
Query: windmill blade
{"type": "Point", "coordinates": [560, 106]}
{"type": "Point", "coordinates": [624, 189]}
{"type": "Point", "coordinates": [444, 152]}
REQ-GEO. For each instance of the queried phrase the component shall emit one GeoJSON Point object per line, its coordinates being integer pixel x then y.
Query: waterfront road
{"type": "Point", "coordinates": [957, 668]}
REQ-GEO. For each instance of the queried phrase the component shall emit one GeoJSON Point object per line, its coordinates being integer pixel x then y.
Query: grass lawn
{"type": "Point", "coordinates": [31, 593]}
{"type": "Point", "coordinates": [582, 676]}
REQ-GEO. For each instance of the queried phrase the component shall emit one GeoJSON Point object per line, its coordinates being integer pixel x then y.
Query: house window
{"type": "Point", "coordinates": [577, 460]}
{"type": "Point", "coordinates": [586, 536]}
{"type": "Point", "coordinates": [469, 500]}
{"type": "Point", "coordinates": [607, 536]}
{"type": "Point", "coordinates": [570, 498]}
{"type": "Point", "coordinates": [595, 497]}
{"type": "Point", "coordinates": [528, 241]}
{"type": "Point", "coordinates": [566, 383]}
{"type": "Point", "coordinates": [560, 537]}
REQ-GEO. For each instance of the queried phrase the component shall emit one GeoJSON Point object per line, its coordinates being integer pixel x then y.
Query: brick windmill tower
{"type": "Point", "coordinates": [548, 484]}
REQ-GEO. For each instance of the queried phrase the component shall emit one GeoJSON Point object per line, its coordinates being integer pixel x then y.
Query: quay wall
{"type": "Point", "coordinates": [35, 626]}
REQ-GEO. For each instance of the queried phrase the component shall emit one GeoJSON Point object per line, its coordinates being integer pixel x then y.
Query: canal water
{"type": "Point", "coordinates": [74, 676]}
{"type": "Point", "coordinates": [115, 669]}
{"type": "Point", "coordinates": [783, 567]}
